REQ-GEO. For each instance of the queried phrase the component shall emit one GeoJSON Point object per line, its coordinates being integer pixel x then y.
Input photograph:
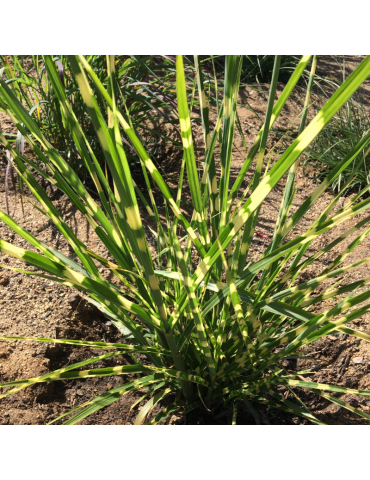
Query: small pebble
{"type": "Point", "coordinates": [73, 298]}
{"type": "Point", "coordinates": [358, 359]}
{"type": "Point", "coordinates": [4, 279]}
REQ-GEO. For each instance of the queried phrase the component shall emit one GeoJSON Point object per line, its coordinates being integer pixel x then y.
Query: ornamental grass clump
{"type": "Point", "coordinates": [214, 323]}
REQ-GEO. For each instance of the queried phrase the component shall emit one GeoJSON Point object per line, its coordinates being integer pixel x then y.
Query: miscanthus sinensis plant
{"type": "Point", "coordinates": [213, 322]}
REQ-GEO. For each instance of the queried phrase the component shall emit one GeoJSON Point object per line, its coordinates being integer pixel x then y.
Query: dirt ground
{"type": "Point", "coordinates": [31, 306]}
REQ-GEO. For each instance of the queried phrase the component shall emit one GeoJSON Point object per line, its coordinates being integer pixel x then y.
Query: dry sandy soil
{"type": "Point", "coordinates": [31, 306]}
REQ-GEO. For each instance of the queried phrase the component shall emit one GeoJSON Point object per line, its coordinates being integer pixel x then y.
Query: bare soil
{"type": "Point", "coordinates": [32, 306]}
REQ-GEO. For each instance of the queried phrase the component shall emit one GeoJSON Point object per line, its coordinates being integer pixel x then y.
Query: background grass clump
{"type": "Point", "coordinates": [145, 91]}
{"type": "Point", "coordinates": [347, 128]}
